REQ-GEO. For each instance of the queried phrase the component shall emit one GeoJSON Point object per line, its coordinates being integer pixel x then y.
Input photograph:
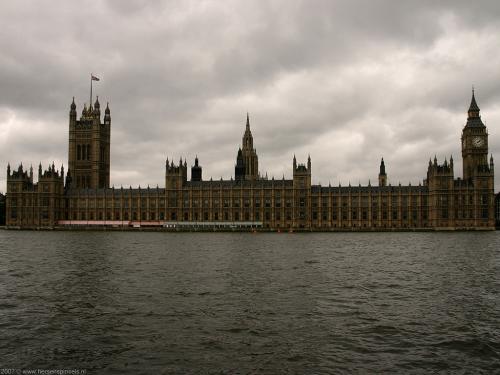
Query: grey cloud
{"type": "Point", "coordinates": [347, 82]}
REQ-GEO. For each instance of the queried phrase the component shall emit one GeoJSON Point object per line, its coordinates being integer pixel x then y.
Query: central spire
{"type": "Point", "coordinates": [250, 161]}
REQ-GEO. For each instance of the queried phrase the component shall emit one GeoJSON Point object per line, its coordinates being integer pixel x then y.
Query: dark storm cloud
{"type": "Point", "coordinates": [347, 82]}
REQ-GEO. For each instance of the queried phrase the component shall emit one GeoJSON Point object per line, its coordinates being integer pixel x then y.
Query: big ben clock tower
{"type": "Point", "coordinates": [474, 143]}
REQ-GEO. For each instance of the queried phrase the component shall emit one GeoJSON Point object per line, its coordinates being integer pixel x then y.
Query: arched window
{"type": "Point", "coordinates": [84, 152]}
{"type": "Point", "coordinates": [78, 152]}
{"type": "Point", "coordinates": [88, 152]}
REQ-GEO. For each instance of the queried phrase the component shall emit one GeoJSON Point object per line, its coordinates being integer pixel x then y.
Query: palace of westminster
{"type": "Point", "coordinates": [83, 197]}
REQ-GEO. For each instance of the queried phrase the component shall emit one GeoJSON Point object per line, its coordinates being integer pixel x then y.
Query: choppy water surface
{"type": "Point", "coordinates": [154, 303]}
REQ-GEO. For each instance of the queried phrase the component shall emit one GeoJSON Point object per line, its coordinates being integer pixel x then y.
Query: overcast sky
{"type": "Point", "coordinates": [347, 82]}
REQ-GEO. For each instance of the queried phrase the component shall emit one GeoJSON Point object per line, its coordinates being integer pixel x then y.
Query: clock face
{"type": "Point", "coordinates": [477, 141]}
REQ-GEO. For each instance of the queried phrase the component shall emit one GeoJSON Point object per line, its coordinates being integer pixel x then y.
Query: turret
{"type": "Point", "coordinates": [382, 176]}
{"type": "Point", "coordinates": [196, 172]}
{"type": "Point", "coordinates": [72, 111]}
{"type": "Point", "coordinates": [97, 108]}
{"type": "Point", "coordinates": [107, 115]}
{"type": "Point", "coordinates": [239, 169]}
{"type": "Point", "coordinates": [294, 162]}
{"type": "Point", "coordinates": [68, 179]}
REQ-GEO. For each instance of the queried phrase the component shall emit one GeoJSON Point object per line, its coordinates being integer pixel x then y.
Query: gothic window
{"type": "Point", "coordinates": [84, 152]}
{"type": "Point", "coordinates": [78, 152]}
{"type": "Point", "coordinates": [88, 152]}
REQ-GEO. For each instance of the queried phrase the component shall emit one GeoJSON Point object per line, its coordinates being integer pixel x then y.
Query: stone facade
{"type": "Point", "coordinates": [497, 210]}
{"type": "Point", "coordinates": [2, 209]}
{"type": "Point", "coordinates": [84, 197]}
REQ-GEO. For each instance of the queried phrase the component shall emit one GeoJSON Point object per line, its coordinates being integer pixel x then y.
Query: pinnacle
{"type": "Point", "coordinates": [473, 104]}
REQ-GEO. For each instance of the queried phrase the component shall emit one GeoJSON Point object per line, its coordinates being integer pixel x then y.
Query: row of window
{"type": "Point", "coordinates": [83, 152]}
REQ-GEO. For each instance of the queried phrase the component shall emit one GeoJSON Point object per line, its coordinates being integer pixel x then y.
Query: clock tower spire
{"type": "Point", "coordinates": [474, 143]}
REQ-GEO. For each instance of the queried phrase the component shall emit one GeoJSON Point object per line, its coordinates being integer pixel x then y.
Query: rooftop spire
{"type": "Point", "coordinates": [473, 118]}
{"type": "Point", "coordinates": [473, 105]}
{"type": "Point", "coordinates": [248, 122]}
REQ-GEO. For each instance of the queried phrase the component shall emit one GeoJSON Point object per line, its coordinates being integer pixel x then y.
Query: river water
{"type": "Point", "coordinates": [242, 303]}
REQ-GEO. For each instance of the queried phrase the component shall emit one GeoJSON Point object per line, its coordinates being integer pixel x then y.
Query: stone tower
{"type": "Point", "coordinates": [474, 143]}
{"type": "Point", "coordinates": [89, 147]}
{"type": "Point", "coordinates": [249, 154]}
{"type": "Point", "coordinates": [477, 172]}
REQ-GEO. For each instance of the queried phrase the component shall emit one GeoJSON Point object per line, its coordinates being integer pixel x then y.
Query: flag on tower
{"type": "Point", "coordinates": [94, 78]}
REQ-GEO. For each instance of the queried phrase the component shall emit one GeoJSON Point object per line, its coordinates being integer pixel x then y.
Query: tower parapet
{"type": "Point", "coordinates": [175, 175]}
